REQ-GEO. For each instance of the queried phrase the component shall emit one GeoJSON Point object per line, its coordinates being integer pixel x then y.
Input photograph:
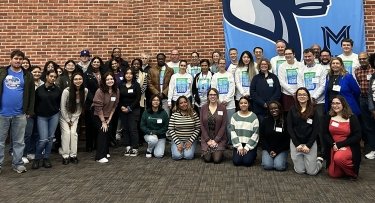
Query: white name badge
{"type": "Point", "coordinates": [113, 98]}
{"type": "Point", "coordinates": [121, 78]}
{"type": "Point", "coordinates": [278, 129]}
{"type": "Point", "coordinates": [335, 124]}
{"type": "Point", "coordinates": [130, 90]}
{"type": "Point", "coordinates": [336, 88]}
{"type": "Point", "coordinates": [309, 121]}
{"type": "Point", "coordinates": [269, 81]}
{"type": "Point", "coordinates": [220, 113]}
{"type": "Point", "coordinates": [368, 77]}
{"type": "Point", "coordinates": [204, 81]}
{"type": "Point", "coordinates": [315, 80]}
{"type": "Point", "coordinates": [159, 120]}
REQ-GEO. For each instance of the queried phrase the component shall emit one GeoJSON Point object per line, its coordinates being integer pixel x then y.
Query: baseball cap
{"type": "Point", "coordinates": [85, 53]}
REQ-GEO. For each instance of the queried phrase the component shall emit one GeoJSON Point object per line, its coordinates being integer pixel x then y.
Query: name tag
{"type": "Point", "coordinates": [309, 121]}
{"type": "Point", "coordinates": [204, 81]}
{"type": "Point", "coordinates": [368, 77]}
{"type": "Point", "coordinates": [121, 78]}
{"type": "Point", "coordinates": [278, 129]}
{"type": "Point", "coordinates": [269, 81]}
{"type": "Point", "coordinates": [220, 113]}
{"type": "Point", "coordinates": [335, 124]}
{"type": "Point", "coordinates": [113, 98]}
{"type": "Point", "coordinates": [315, 80]}
{"type": "Point", "coordinates": [336, 88]}
{"type": "Point", "coordinates": [159, 120]}
{"type": "Point", "coordinates": [130, 90]}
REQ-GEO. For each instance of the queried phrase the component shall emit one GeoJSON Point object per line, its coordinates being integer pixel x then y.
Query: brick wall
{"type": "Point", "coordinates": [59, 29]}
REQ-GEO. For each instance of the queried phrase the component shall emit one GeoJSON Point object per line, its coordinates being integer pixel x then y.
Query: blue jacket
{"type": "Point", "coordinates": [349, 90]}
{"type": "Point", "coordinates": [261, 92]}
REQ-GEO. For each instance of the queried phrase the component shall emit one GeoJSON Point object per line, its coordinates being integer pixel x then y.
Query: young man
{"type": "Point", "coordinates": [84, 60]}
{"type": "Point", "coordinates": [350, 59]}
{"type": "Point", "coordinates": [17, 95]}
{"type": "Point", "coordinates": [194, 67]}
{"type": "Point", "coordinates": [233, 53]}
{"type": "Point", "coordinates": [258, 53]}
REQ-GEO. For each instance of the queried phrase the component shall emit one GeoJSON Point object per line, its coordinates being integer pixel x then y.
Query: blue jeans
{"type": "Point", "coordinates": [16, 125]}
{"type": "Point", "coordinates": [156, 145]}
{"type": "Point", "coordinates": [28, 133]}
{"type": "Point", "coordinates": [46, 127]}
{"type": "Point", "coordinates": [246, 160]}
{"type": "Point", "coordinates": [279, 162]}
{"type": "Point", "coordinates": [185, 154]}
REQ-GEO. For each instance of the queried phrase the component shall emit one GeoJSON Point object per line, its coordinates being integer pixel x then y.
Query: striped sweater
{"type": "Point", "coordinates": [244, 130]}
{"type": "Point", "coordinates": [183, 128]}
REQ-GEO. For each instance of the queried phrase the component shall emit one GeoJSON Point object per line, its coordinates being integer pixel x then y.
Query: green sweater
{"type": "Point", "coordinates": [244, 130]}
{"type": "Point", "coordinates": [155, 123]}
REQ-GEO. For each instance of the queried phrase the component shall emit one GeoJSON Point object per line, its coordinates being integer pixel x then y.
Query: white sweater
{"type": "Point", "coordinates": [350, 62]}
{"type": "Point", "coordinates": [314, 79]}
{"type": "Point", "coordinates": [224, 83]}
{"type": "Point", "coordinates": [180, 85]}
{"type": "Point", "coordinates": [242, 81]}
{"type": "Point", "coordinates": [287, 75]}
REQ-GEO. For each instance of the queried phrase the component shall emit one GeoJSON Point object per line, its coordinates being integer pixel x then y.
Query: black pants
{"type": "Point", "coordinates": [130, 122]}
{"type": "Point", "coordinates": [102, 147]}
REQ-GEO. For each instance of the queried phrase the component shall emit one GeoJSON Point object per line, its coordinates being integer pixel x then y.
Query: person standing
{"type": "Point", "coordinates": [180, 85]}
{"type": "Point", "coordinates": [158, 80]}
{"type": "Point", "coordinates": [105, 103]}
{"type": "Point", "coordinates": [47, 110]}
{"type": "Point", "coordinates": [348, 56]}
{"type": "Point", "coordinates": [72, 102]}
{"type": "Point", "coordinates": [17, 97]}
{"type": "Point", "coordinates": [279, 59]}
{"type": "Point", "coordinates": [363, 75]}
{"type": "Point", "coordinates": [130, 95]}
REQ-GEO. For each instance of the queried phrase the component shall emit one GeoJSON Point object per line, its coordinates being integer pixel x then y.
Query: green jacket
{"type": "Point", "coordinates": [28, 93]}
{"type": "Point", "coordinates": [155, 123]}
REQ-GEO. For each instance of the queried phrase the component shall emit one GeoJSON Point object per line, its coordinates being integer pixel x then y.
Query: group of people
{"type": "Point", "coordinates": [322, 106]}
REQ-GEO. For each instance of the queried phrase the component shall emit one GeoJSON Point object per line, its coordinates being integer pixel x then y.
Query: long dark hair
{"type": "Point", "coordinates": [250, 68]}
{"type": "Point", "coordinates": [103, 85]}
{"type": "Point", "coordinates": [190, 110]}
{"type": "Point", "coordinates": [101, 63]}
{"type": "Point", "coordinates": [309, 112]}
{"type": "Point", "coordinates": [72, 104]}
{"type": "Point", "coordinates": [134, 79]}
{"type": "Point", "coordinates": [149, 110]}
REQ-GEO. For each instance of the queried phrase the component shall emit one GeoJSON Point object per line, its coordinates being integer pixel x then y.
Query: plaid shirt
{"type": "Point", "coordinates": [363, 79]}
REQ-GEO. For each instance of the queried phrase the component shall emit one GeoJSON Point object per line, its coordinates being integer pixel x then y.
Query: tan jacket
{"type": "Point", "coordinates": [154, 78]}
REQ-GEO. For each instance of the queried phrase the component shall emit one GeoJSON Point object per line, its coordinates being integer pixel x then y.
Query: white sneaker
{"type": "Point", "coordinates": [31, 156]}
{"type": "Point", "coordinates": [118, 137]}
{"type": "Point", "coordinates": [148, 155]}
{"type": "Point", "coordinates": [370, 155]}
{"type": "Point", "coordinates": [108, 156]}
{"type": "Point", "coordinates": [25, 160]}
{"type": "Point", "coordinates": [127, 151]}
{"type": "Point", "coordinates": [103, 160]}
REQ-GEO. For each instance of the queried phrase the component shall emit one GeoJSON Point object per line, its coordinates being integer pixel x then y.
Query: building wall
{"type": "Point", "coordinates": [59, 29]}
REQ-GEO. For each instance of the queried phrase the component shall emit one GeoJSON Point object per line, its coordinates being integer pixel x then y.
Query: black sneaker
{"type": "Point", "coordinates": [74, 160]}
{"type": "Point", "coordinates": [47, 163]}
{"type": "Point", "coordinates": [65, 161]}
{"type": "Point", "coordinates": [36, 164]}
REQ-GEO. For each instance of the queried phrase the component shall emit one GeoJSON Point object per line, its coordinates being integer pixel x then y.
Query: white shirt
{"type": "Point", "coordinates": [179, 85]}
{"type": "Point", "coordinates": [193, 70]}
{"type": "Point", "coordinates": [276, 61]}
{"type": "Point", "coordinates": [224, 83]}
{"type": "Point", "coordinates": [288, 74]}
{"type": "Point", "coordinates": [314, 79]}
{"type": "Point", "coordinates": [351, 62]}
{"type": "Point", "coordinates": [174, 66]}
{"type": "Point", "coordinates": [242, 80]}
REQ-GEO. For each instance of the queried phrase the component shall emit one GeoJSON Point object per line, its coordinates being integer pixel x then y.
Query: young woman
{"type": "Point", "coordinates": [201, 84]}
{"type": "Point", "coordinates": [265, 87]}
{"type": "Point", "coordinates": [104, 103]}
{"type": "Point", "coordinates": [244, 134]}
{"type": "Point", "coordinates": [213, 119]}
{"type": "Point", "coordinates": [180, 85]}
{"type": "Point", "coordinates": [340, 82]}
{"type": "Point", "coordinates": [117, 71]}
{"type": "Point", "coordinates": [184, 127]}
{"type": "Point", "coordinates": [223, 81]}
{"type": "Point", "coordinates": [49, 65]}
{"type": "Point", "coordinates": [303, 128]}
{"type": "Point", "coordinates": [274, 138]}
{"type": "Point", "coordinates": [31, 135]}
{"type": "Point", "coordinates": [244, 74]}
{"type": "Point", "coordinates": [154, 124]}
{"type": "Point", "coordinates": [342, 135]}
{"type": "Point", "coordinates": [63, 81]}
{"type": "Point", "coordinates": [214, 68]}
{"type": "Point", "coordinates": [72, 103]}
{"type": "Point", "coordinates": [92, 79]}
{"type": "Point", "coordinates": [47, 107]}
{"type": "Point", "coordinates": [26, 63]}
{"type": "Point", "coordinates": [130, 95]}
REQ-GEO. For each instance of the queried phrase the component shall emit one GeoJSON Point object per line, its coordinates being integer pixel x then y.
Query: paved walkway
{"type": "Point", "coordinates": [137, 179]}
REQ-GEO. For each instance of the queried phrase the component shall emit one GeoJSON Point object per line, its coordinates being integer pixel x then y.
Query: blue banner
{"type": "Point", "coordinates": [301, 23]}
